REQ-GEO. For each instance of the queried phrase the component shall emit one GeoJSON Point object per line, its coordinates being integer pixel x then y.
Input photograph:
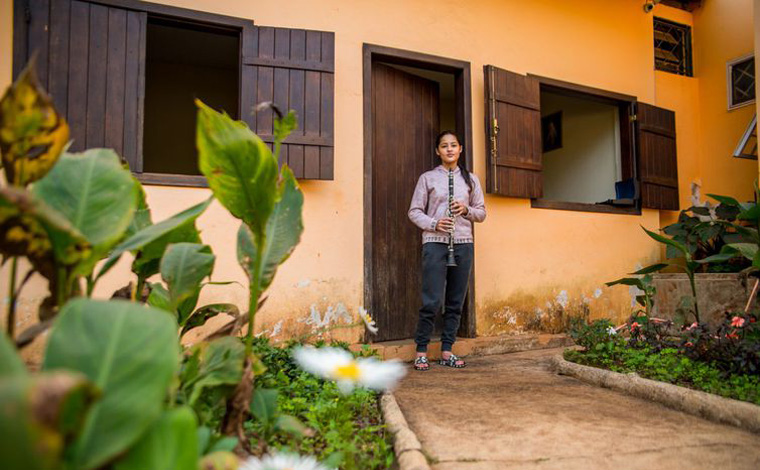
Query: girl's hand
{"type": "Point", "coordinates": [458, 208]}
{"type": "Point", "coordinates": [446, 224]}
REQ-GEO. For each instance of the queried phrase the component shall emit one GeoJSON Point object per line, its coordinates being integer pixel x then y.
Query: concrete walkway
{"type": "Point", "coordinates": [510, 411]}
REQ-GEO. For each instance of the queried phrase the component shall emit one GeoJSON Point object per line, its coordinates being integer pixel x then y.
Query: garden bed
{"type": "Point", "coordinates": [702, 404]}
{"type": "Point", "coordinates": [347, 430]}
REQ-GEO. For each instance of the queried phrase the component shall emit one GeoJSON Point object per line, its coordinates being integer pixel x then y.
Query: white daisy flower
{"type": "Point", "coordinates": [339, 365]}
{"type": "Point", "coordinates": [611, 331]}
{"type": "Point", "coordinates": [368, 321]}
{"type": "Point", "coordinates": [282, 461]}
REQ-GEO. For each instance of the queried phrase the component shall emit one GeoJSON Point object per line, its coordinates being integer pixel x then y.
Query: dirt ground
{"type": "Point", "coordinates": [510, 411]}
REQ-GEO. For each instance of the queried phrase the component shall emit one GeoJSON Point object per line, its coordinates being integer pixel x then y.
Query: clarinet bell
{"type": "Point", "coordinates": [451, 261]}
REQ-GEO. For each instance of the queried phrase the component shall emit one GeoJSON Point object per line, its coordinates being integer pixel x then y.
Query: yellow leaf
{"type": "Point", "coordinates": [32, 133]}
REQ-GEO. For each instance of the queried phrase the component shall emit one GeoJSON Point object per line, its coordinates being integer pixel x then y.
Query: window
{"type": "Point", "coordinates": [185, 61]}
{"type": "Point", "coordinates": [125, 72]}
{"type": "Point", "coordinates": [672, 47]}
{"type": "Point", "coordinates": [747, 147]}
{"type": "Point", "coordinates": [599, 151]}
{"type": "Point", "coordinates": [740, 75]}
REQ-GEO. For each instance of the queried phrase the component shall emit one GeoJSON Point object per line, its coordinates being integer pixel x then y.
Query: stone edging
{"type": "Point", "coordinates": [705, 405]}
{"type": "Point", "coordinates": [405, 443]}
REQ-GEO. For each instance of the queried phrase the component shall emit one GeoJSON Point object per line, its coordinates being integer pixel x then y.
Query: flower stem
{"type": "Point", "coordinates": [255, 292]}
{"type": "Point", "coordinates": [12, 297]}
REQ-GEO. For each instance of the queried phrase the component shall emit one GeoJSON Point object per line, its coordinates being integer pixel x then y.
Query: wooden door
{"type": "Point", "coordinates": [405, 122]}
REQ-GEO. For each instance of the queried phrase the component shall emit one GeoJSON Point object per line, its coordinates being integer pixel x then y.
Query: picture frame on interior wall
{"type": "Point", "coordinates": [551, 131]}
{"type": "Point", "coordinates": [740, 81]}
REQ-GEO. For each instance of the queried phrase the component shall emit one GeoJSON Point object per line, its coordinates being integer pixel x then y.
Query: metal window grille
{"type": "Point", "coordinates": [741, 82]}
{"type": "Point", "coordinates": [672, 47]}
{"type": "Point", "coordinates": [747, 147]}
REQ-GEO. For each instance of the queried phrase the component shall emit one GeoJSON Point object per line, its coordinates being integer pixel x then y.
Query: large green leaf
{"type": "Point", "coordinates": [171, 444]}
{"type": "Point", "coordinates": [219, 362]}
{"type": "Point", "coordinates": [96, 194]}
{"type": "Point", "coordinates": [203, 314]}
{"type": "Point", "coordinates": [28, 227]}
{"type": "Point", "coordinates": [11, 364]}
{"type": "Point", "coordinates": [264, 404]}
{"type": "Point", "coordinates": [670, 242]}
{"type": "Point", "coordinates": [131, 353]}
{"type": "Point", "coordinates": [283, 232]}
{"type": "Point", "coordinates": [150, 242]}
{"type": "Point", "coordinates": [39, 414]}
{"type": "Point", "coordinates": [748, 250]}
{"type": "Point", "coordinates": [142, 218]}
{"type": "Point", "coordinates": [239, 167]}
{"type": "Point", "coordinates": [32, 133]}
{"type": "Point", "coordinates": [183, 267]}
{"type": "Point", "coordinates": [652, 268]}
{"type": "Point", "coordinates": [627, 281]}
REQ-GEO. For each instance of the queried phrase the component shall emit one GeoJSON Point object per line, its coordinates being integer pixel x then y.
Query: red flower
{"type": "Point", "coordinates": [752, 320]}
{"type": "Point", "coordinates": [732, 336]}
{"type": "Point", "coordinates": [689, 344]}
{"type": "Point", "coordinates": [634, 325]}
{"type": "Point", "coordinates": [737, 322]}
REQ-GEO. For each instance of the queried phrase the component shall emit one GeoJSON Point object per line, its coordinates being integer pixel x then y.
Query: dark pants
{"type": "Point", "coordinates": [441, 282]}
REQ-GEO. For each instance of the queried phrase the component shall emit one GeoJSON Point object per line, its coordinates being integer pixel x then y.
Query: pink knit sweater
{"type": "Point", "coordinates": [431, 201]}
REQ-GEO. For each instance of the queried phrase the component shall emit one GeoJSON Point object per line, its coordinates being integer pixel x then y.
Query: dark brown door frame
{"type": "Point", "coordinates": [462, 86]}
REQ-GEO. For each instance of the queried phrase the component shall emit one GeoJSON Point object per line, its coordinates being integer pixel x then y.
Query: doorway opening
{"type": "Point", "coordinates": [408, 99]}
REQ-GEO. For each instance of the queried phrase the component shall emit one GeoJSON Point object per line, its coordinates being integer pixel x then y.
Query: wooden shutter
{"type": "Point", "coordinates": [513, 134]}
{"type": "Point", "coordinates": [657, 164]}
{"type": "Point", "coordinates": [90, 59]}
{"type": "Point", "coordinates": [294, 68]}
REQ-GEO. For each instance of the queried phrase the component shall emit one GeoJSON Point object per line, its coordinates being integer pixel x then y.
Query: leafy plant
{"type": "Point", "coordinates": [243, 174]}
{"type": "Point", "coordinates": [644, 284]}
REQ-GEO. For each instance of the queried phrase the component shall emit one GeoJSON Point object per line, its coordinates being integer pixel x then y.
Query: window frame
{"type": "Point", "coordinates": [689, 60]}
{"type": "Point", "coordinates": [626, 106]}
{"type": "Point", "coordinates": [729, 82]}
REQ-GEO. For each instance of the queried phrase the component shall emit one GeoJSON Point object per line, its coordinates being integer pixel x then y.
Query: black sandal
{"type": "Point", "coordinates": [452, 362]}
{"type": "Point", "coordinates": [421, 363]}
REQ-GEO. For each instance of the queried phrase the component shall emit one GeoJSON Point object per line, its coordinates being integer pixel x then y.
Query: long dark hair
{"type": "Point", "coordinates": [462, 162]}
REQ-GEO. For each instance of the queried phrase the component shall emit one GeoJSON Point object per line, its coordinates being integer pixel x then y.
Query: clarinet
{"type": "Point", "coordinates": [451, 261]}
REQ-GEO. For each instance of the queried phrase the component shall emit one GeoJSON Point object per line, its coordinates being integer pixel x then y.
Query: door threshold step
{"type": "Point", "coordinates": [404, 350]}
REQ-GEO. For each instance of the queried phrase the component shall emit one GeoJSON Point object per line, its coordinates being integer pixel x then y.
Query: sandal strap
{"type": "Point", "coordinates": [421, 360]}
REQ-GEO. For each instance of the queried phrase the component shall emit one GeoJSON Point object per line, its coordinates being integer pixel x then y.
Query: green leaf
{"type": "Point", "coordinates": [220, 362]}
{"type": "Point", "coordinates": [727, 200]}
{"type": "Point", "coordinates": [220, 461]}
{"type": "Point", "coordinates": [39, 414]}
{"type": "Point", "coordinates": [28, 227]}
{"type": "Point", "coordinates": [717, 258]}
{"type": "Point", "coordinates": [652, 269]}
{"type": "Point", "coordinates": [96, 194]}
{"type": "Point", "coordinates": [627, 281]}
{"type": "Point", "coordinates": [203, 314]}
{"type": "Point", "coordinates": [225, 444]}
{"type": "Point", "coordinates": [291, 425]}
{"type": "Point", "coordinates": [142, 218]}
{"type": "Point", "coordinates": [751, 213]}
{"type": "Point", "coordinates": [183, 267]}
{"type": "Point", "coordinates": [25, 444]}
{"type": "Point", "coordinates": [748, 250]}
{"type": "Point", "coordinates": [679, 246]}
{"type": "Point", "coordinates": [283, 232]}
{"type": "Point", "coordinates": [32, 133]}
{"type": "Point", "coordinates": [159, 296]}
{"type": "Point", "coordinates": [264, 404]}
{"type": "Point", "coordinates": [239, 167]}
{"type": "Point", "coordinates": [171, 443]}
{"type": "Point", "coordinates": [11, 364]}
{"type": "Point", "coordinates": [131, 353]}
{"type": "Point", "coordinates": [154, 238]}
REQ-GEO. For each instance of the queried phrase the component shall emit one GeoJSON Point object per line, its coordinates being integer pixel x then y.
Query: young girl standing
{"type": "Point", "coordinates": [442, 284]}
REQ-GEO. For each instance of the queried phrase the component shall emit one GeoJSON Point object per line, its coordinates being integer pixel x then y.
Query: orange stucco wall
{"type": "Point", "coordinates": [530, 263]}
